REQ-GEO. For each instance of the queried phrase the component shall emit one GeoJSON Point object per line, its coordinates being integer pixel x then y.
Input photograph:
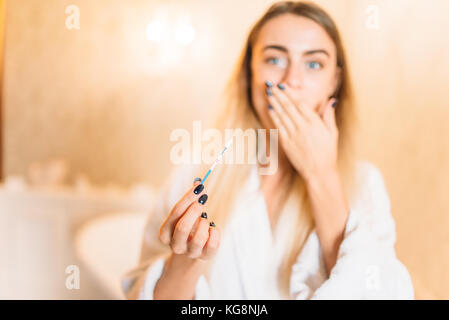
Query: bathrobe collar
{"type": "Point", "coordinates": [257, 248]}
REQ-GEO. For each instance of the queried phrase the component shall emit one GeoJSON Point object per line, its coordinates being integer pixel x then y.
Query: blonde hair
{"type": "Point", "coordinates": [238, 112]}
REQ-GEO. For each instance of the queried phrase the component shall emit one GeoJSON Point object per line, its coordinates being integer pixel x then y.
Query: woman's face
{"type": "Point", "coordinates": [298, 52]}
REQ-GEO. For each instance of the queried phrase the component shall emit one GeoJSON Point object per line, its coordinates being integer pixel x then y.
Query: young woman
{"type": "Point", "coordinates": [320, 227]}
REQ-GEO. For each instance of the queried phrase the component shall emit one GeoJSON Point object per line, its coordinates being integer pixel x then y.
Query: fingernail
{"type": "Point", "coordinates": [198, 189]}
{"type": "Point", "coordinates": [203, 199]}
{"type": "Point", "coordinates": [281, 86]}
{"type": "Point", "coordinates": [204, 215]}
{"type": "Point", "coordinates": [269, 84]}
{"type": "Point", "coordinates": [270, 107]}
{"type": "Point", "coordinates": [269, 92]}
{"type": "Point", "coordinates": [212, 224]}
{"type": "Point", "coordinates": [197, 179]}
{"type": "Point", "coordinates": [334, 104]}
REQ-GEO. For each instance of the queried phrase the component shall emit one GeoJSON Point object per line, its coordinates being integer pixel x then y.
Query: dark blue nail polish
{"type": "Point", "coordinates": [196, 179]}
{"type": "Point", "coordinates": [198, 189]}
{"type": "Point", "coordinates": [269, 84]}
{"type": "Point", "coordinates": [269, 92]}
{"type": "Point", "coordinates": [203, 199]}
{"type": "Point", "coordinates": [204, 215]}
{"type": "Point", "coordinates": [212, 224]}
{"type": "Point", "coordinates": [334, 104]}
{"type": "Point", "coordinates": [281, 86]}
{"type": "Point", "coordinates": [270, 107]}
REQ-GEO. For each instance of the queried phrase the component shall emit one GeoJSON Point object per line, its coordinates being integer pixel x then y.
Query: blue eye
{"type": "Point", "coordinates": [280, 62]}
{"type": "Point", "coordinates": [314, 65]}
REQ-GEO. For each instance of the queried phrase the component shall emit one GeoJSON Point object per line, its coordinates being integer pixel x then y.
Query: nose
{"type": "Point", "coordinates": [293, 76]}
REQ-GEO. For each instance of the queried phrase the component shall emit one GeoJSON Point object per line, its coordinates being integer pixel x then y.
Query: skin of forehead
{"type": "Point", "coordinates": [307, 35]}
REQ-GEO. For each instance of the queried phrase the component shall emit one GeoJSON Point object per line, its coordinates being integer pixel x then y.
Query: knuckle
{"type": "Point", "coordinates": [192, 254]}
{"type": "Point", "coordinates": [213, 245]}
{"type": "Point", "coordinates": [198, 242]}
{"type": "Point", "coordinates": [163, 238]}
{"type": "Point", "coordinates": [206, 255]}
{"type": "Point", "coordinates": [183, 228]}
{"type": "Point", "coordinates": [176, 213]}
{"type": "Point", "coordinates": [177, 249]}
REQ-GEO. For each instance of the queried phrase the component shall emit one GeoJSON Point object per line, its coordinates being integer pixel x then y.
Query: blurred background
{"type": "Point", "coordinates": [88, 93]}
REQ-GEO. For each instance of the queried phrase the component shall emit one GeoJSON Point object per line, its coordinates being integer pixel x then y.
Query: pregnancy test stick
{"type": "Point", "coordinates": [218, 160]}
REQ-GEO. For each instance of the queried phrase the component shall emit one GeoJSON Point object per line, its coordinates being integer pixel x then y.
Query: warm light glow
{"type": "Point", "coordinates": [171, 26]}
{"type": "Point", "coordinates": [185, 34]}
{"type": "Point", "coordinates": [170, 33]}
{"type": "Point", "coordinates": [155, 31]}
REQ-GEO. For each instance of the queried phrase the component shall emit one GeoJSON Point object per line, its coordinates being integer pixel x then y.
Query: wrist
{"type": "Point", "coordinates": [323, 179]}
{"type": "Point", "coordinates": [327, 196]}
{"type": "Point", "coordinates": [179, 269]}
{"type": "Point", "coordinates": [182, 266]}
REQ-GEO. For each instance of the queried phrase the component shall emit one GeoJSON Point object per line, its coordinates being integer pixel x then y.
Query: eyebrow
{"type": "Point", "coordinates": [307, 53]}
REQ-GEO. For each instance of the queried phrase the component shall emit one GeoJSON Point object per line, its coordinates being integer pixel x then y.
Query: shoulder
{"type": "Point", "coordinates": [371, 187]}
{"type": "Point", "coordinates": [367, 172]}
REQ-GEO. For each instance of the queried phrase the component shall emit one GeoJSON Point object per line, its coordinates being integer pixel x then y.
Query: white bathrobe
{"type": "Point", "coordinates": [246, 264]}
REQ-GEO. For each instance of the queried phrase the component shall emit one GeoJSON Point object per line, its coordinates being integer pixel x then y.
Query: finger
{"type": "Point", "coordinates": [184, 227]}
{"type": "Point", "coordinates": [307, 113]}
{"type": "Point", "coordinates": [198, 241]}
{"type": "Point", "coordinates": [322, 107]}
{"type": "Point", "coordinates": [197, 181]}
{"type": "Point", "coordinates": [288, 105]}
{"type": "Point", "coordinates": [283, 119]}
{"type": "Point", "coordinates": [166, 231]}
{"type": "Point", "coordinates": [213, 243]}
{"type": "Point", "coordinates": [329, 116]}
{"type": "Point", "coordinates": [278, 123]}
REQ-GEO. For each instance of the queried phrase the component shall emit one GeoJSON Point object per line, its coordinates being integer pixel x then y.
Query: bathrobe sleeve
{"type": "Point", "coordinates": [367, 266]}
{"type": "Point", "coordinates": [139, 283]}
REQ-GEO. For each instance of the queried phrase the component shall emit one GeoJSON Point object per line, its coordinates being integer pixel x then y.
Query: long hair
{"type": "Point", "coordinates": [238, 112]}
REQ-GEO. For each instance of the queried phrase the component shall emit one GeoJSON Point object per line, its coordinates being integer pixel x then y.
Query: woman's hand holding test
{"type": "Point", "coordinates": [192, 239]}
